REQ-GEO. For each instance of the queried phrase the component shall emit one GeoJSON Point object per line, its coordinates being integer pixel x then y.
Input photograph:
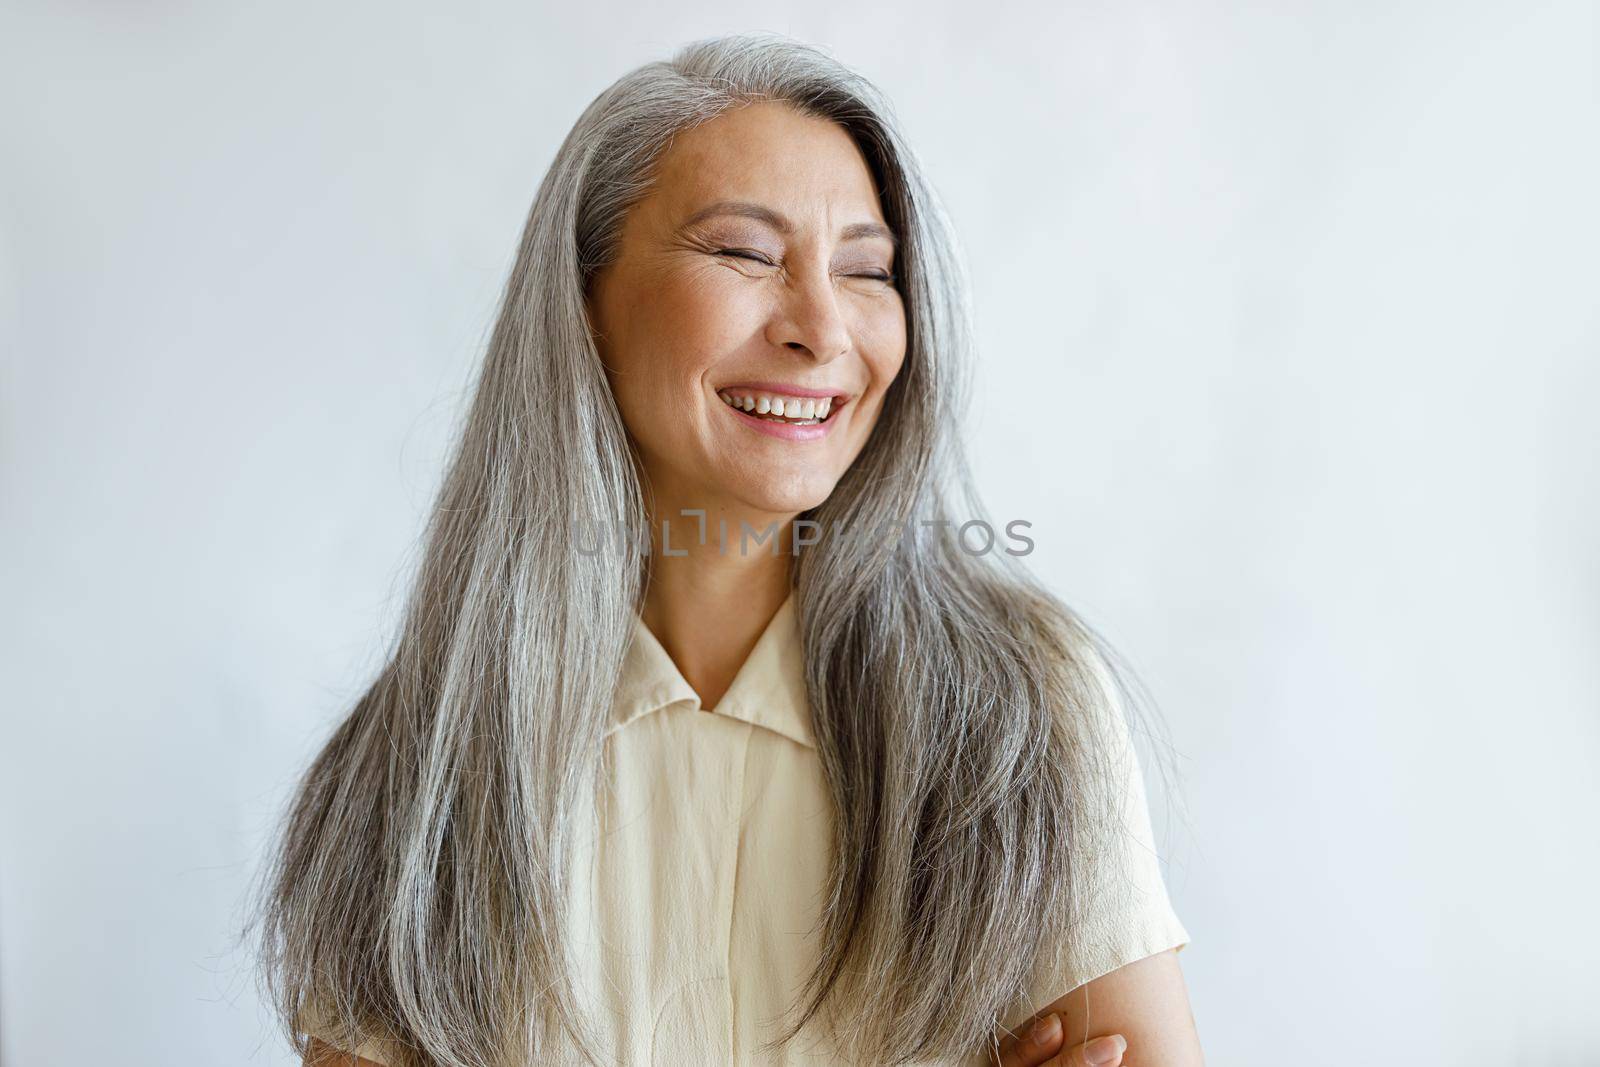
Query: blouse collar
{"type": "Point", "coordinates": [769, 689]}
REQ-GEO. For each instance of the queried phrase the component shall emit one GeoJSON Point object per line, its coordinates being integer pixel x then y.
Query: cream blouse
{"type": "Point", "coordinates": [693, 911]}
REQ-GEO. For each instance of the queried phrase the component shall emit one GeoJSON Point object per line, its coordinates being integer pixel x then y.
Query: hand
{"type": "Point", "coordinates": [1041, 1046]}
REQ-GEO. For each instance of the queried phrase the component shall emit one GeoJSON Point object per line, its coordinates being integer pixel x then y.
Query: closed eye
{"type": "Point", "coordinates": [746, 253]}
{"type": "Point", "coordinates": [757, 257]}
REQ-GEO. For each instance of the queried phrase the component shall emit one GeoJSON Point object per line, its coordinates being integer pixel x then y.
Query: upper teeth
{"type": "Point", "coordinates": [789, 407]}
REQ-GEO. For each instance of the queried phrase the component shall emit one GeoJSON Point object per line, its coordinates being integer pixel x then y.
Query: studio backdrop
{"type": "Point", "coordinates": [1288, 357]}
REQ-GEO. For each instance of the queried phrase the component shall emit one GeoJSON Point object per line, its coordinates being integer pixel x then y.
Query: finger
{"type": "Point", "coordinates": [1104, 1051]}
{"type": "Point", "coordinates": [1033, 1046]}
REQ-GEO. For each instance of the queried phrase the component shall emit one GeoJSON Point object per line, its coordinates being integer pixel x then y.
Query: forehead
{"type": "Point", "coordinates": [768, 152]}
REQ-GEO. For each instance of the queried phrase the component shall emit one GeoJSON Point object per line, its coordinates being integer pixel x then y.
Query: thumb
{"type": "Point", "coordinates": [1097, 1052]}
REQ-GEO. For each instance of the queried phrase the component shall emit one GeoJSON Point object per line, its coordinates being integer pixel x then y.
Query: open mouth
{"type": "Point", "coordinates": [778, 407]}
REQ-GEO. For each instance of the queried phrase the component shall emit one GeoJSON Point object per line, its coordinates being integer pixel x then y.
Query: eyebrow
{"type": "Point", "coordinates": [761, 213]}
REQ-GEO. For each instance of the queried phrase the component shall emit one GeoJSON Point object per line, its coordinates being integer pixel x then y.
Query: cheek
{"type": "Point", "coordinates": [685, 322]}
{"type": "Point", "coordinates": [673, 326]}
{"type": "Point", "coordinates": [885, 345]}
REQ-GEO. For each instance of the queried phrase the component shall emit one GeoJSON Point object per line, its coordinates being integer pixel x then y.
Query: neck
{"type": "Point", "coordinates": [708, 603]}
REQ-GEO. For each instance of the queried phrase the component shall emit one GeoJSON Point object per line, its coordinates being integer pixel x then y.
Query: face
{"type": "Point", "coordinates": [758, 269]}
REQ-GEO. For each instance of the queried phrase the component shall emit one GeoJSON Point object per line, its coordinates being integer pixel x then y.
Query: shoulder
{"type": "Point", "coordinates": [1091, 687]}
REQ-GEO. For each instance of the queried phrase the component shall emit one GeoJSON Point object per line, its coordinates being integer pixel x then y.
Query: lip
{"type": "Point", "coordinates": [781, 430]}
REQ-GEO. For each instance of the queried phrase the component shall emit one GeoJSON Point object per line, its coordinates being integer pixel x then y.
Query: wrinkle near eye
{"type": "Point", "coordinates": [722, 237]}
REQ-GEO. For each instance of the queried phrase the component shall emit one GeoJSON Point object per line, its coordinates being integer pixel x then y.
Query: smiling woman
{"type": "Point", "coordinates": [779, 297]}
{"type": "Point", "coordinates": [858, 795]}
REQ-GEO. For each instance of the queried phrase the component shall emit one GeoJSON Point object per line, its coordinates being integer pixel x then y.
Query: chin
{"type": "Point", "coordinates": [789, 496]}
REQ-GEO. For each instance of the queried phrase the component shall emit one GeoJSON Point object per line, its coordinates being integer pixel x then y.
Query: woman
{"type": "Point", "coordinates": [705, 740]}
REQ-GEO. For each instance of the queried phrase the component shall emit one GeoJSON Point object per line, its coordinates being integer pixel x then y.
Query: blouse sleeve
{"type": "Point", "coordinates": [1127, 915]}
{"type": "Point", "coordinates": [311, 1021]}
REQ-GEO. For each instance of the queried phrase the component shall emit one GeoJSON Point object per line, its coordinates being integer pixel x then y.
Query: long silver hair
{"type": "Point", "coordinates": [418, 886]}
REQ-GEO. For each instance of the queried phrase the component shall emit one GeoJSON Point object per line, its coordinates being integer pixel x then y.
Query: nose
{"type": "Point", "coordinates": [808, 318]}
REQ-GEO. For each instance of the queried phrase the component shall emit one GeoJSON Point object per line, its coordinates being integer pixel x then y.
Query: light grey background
{"type": "Point", "coordinates": [1290, 354]}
